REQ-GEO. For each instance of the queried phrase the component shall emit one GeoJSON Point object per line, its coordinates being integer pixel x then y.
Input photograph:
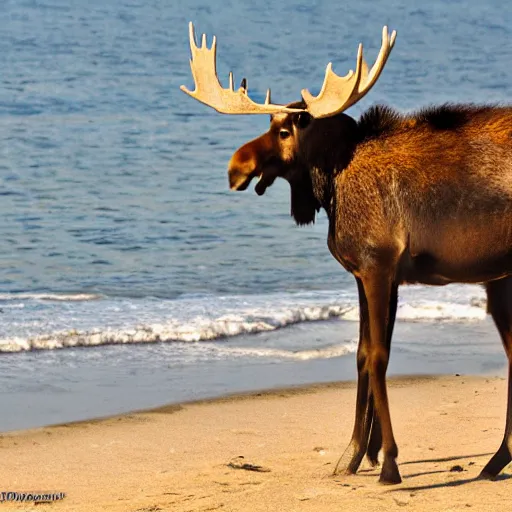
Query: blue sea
{"type": "Point", "coordinates": [130, 276]}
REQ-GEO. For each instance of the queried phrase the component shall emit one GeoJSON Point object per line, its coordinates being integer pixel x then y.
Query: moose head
{"type": "Point", "coordinates": [310, 133]}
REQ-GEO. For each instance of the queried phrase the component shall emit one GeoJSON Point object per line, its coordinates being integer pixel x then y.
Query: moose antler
{"type": "Point", "coordinates": [340, 92]}
{"type": "Point", "coordinates": [209, 91]}
{"type": "Point", "coordinates": [337, 94]}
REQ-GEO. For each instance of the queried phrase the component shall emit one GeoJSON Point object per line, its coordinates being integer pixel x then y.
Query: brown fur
{"type": "Point", "coordinates": [419, 198]}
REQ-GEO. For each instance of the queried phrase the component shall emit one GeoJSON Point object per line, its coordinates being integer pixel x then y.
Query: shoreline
{"type": "Point", "coordinates": [266, 393]}
{"type": "Point", "coordinates": [186, 456]}
{"type": "Point", "coordinates": [79, 384]}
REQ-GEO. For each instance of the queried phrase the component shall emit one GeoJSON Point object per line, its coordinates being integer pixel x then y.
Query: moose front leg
{"type": "Point", "coordinates": [351, 459]}
{"type": "Point", "coordinates": [366, 420]}
{"type": "Point", "coordinates": [379, 289]}
{"type": "Point", "coordinates": [499, 304]}
{"type": "Point", "coordinates": [375, 442]}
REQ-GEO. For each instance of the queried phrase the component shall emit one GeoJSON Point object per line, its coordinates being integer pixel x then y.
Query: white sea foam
{"type": "Point", "coordinates": [60, 297]}
{"type": "Point", "coordinates": [296, 355]}
{"type": "Point", "coordinates": [452, 312]}
{"type": "Point", "coordinates": [200, 328]}
{"type": "Point", "coordinates": [47, 323]}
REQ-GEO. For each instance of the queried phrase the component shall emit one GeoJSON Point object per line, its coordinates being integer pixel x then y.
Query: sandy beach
{"type": "Point", "coordinates": [190, 457]}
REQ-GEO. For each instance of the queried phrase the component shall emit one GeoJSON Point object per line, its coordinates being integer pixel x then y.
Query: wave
{"type": "Point", "coordinates": [193, 330]}
{"type": "Point", "coordinates": [439, 311]}
{"type": "Point", "coordinates": [328, 352]}
{"type": "Point", "coordinates": [59, 297]}
{"type": "Point", "coordinates": [199, 320]}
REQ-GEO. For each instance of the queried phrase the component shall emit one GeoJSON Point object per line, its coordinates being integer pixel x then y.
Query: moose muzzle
{"type": "Point", "coordinates": [254, 159]}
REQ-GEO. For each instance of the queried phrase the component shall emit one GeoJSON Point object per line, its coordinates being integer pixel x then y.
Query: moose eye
{"type": "Point", "coordinates": [284, 134]}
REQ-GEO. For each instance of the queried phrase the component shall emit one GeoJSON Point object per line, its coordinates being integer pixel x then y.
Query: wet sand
{"type": "Point", "coordinates": [191, 457]}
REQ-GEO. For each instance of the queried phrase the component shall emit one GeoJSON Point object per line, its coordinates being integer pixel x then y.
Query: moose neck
{"type": "Point", "coordinates": [328, 147]}
{"type": "Point", "coordinates": [323, 187]}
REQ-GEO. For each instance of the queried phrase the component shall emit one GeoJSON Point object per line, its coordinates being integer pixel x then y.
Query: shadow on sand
{"type": "Point", "coordinates": [451, 483]}
{"type": "Point", "coordinates": [446, 459]}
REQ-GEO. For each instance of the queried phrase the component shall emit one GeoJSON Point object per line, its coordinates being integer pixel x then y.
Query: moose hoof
{"type": "Point", "coordinates": [372, 460]}
{"type": "Point", "coordinates": [350, 461]}
{"type": "Point", "coordinates": [486, 476]}
{"type": "Point", "coordinates": [498, 461]}
{"type": "Point", "coordinates": [347, 467]}
{"type": "Point", "coordinates": [390, 474]}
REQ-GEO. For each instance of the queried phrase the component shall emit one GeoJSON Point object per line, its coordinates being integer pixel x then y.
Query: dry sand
{"type": "Point", "coordinates": [177, 458]}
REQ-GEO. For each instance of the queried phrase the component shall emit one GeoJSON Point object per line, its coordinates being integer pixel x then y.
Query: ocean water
{"type": "Point", "coordinates": [128, 271]}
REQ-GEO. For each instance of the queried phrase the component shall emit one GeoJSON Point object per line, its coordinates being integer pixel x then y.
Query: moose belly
{"type": "Point", "coordinates": [475, 252]}
{"type": "Point", "coordinates": [426, 268]}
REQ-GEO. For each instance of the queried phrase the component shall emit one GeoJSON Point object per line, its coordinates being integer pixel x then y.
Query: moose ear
{"type": "Point", "coordinates": [302, 120]}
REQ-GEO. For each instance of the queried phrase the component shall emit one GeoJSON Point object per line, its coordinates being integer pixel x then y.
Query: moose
{"type": "Point", "coordinates": [410, 198]}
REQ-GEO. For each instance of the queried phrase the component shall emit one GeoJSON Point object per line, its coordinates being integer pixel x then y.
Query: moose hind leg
{"type": "Point", "coordinates": [499, 305]}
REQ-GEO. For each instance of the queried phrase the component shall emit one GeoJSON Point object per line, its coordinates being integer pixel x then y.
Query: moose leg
{"type": "Point", "coordinates": [375, 443]}
{"type": "Point", "coordinates": [499, 305]}
{"type": "Point", "coordinates": [353, 455]}
{"type": "Point", "coordinates": [379, 287]}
